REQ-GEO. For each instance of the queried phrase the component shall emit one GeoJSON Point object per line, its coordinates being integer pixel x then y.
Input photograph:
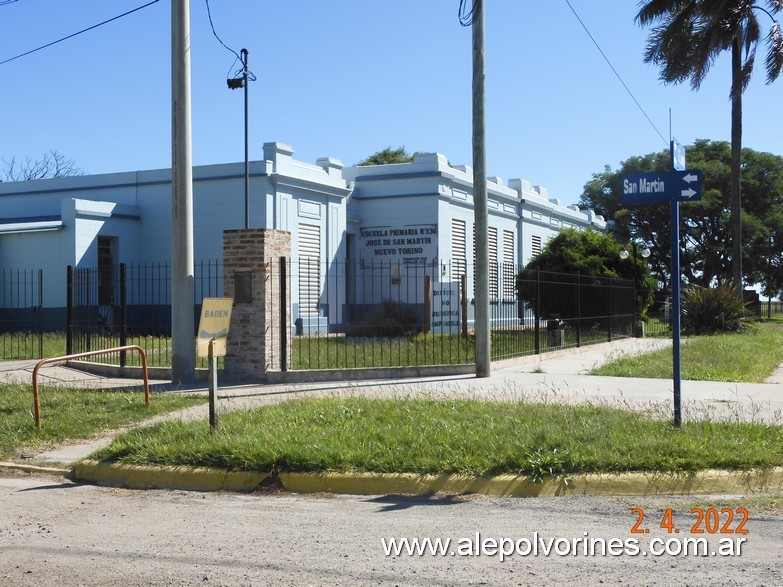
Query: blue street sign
{"type": "Point", "coordinates": [664, 186]}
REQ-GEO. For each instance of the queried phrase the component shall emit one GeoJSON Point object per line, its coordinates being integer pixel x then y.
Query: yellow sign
{"type": "Point", "coordinates": [214, 324]}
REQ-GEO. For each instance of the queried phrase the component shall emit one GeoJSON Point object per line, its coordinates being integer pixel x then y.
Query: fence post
{"type": "Point", "coordinates": [609, 329]}
{"type": "Point", "coordinates": [578, 309]}
{"type": "Point", "coordinates": [88, 339]}
{"type": "Point", "coordinates": [40, 314]}
{"type": "Point", "coordinates": [69, 311]}
{"type": "Point", "coordinates": [283, 314]}
{"type": "Point", "coordinates": [428, 303]}
{"type": "Point", "coordinates": [123, 317]}
{"type": "Point", "coordinates": [635, 325]}
{"type": "Point", "coordinates": [464, 304]}
{"type": "Point", "coordinates": [537, 315]}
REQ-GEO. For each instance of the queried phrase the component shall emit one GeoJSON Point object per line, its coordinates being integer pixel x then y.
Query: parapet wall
{"type": "Point", "coordinates": [516, 191]}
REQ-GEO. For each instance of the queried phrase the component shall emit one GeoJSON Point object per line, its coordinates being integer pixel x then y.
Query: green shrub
{"type": "Point", "coordinates": [719, 309]}
{"type": "Point", "coordinates": [589, 258]}
{"type": "Point", "coordinates": [388, 319]}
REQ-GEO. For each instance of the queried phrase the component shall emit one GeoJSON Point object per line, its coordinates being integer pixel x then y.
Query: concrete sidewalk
{"type": "Point", "coordinates": [21, 372]}
{"type": "Point", "coordinates": [556, 377]}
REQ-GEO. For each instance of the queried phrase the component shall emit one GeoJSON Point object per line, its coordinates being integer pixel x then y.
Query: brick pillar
{"type": "Point", "coordinates": [251, 276]}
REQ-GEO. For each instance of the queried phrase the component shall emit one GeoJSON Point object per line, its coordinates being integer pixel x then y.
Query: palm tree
{"type": "Point", "coordinates": [687, 37]}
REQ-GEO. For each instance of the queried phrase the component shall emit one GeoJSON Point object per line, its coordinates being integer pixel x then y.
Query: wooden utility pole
{"type": "Point", "coordinates": [183, 353]}
{"type": "Point", "coordinates": [481, 316]}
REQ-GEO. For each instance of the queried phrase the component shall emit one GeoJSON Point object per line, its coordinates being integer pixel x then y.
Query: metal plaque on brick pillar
{"type": "Point", "coordinates": [250, 277]}
{"type": "Point", "coordinates": [243, 287]}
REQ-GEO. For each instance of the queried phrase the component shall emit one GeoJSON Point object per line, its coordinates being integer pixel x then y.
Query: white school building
{"type": "Point", "coordinates": [344, 222]}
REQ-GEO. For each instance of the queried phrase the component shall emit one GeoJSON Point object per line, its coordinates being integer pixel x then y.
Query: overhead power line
{"type": "Point", "coordinates": [627, 89]}
{"type": "Point", "coordinates": [467, 15]}
{"type": "Point", "coordinates": [95, 26]}
{"type": "Point", "coordinates": [209, 14]}
{"type": "Point", "coordinates": [238, 74]}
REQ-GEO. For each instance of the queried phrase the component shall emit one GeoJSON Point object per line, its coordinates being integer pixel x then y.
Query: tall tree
{"type": "Point", "coordinates": [651, 225]}
{"type": "Point", "coordinates": [687, 38]}
{"type": "Point", "coordinates": [388, 156]}
{"type": "Point", "coordinates": [705, 231]}
{"type": "Point", "coordinates": [592, 255]}
{"type": "Point", "coordinates": [51, 164]}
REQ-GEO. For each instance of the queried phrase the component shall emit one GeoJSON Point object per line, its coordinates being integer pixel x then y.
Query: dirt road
{"type": "Point", "coordinates": [53, 532]}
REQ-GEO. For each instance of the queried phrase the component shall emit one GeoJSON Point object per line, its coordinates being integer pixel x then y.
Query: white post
{"type": "Point", "coordinates": [183, 358]}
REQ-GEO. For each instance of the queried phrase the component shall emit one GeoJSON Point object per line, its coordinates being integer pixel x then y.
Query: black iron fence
{"type": "Point", "coordinates": [377, 314]}
{"type": "Point", "coordinates": [381, 314]}
{"type": "Point", "coordinates": [574, 309]}
{"type": "Point", "coordinates": [770, 308]}
{"type": "Point", "coordinates": [343, 315]}
{"type": "Point", "coordinates": [21, 314]}
{"type": "Point", "coordinates": [130, 304]}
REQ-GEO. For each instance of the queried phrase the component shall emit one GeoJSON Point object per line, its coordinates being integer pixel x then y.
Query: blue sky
{"type": "Point", "coordinates": [350, 77]}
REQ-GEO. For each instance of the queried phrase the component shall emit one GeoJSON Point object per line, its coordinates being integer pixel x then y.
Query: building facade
{"type": "Point", "coordinates": [358, 234]}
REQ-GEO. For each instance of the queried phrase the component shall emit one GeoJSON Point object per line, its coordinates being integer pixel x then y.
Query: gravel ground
{"type": "Point", "coordinates": [53, 532]}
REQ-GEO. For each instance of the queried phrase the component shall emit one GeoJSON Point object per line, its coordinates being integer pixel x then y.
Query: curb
{"type": "Point", "coordinates": [65, 472]}
{"type": "Point", "coordinates": [607, 484]}
{"type": "Point", "coordinates": [160, 477]}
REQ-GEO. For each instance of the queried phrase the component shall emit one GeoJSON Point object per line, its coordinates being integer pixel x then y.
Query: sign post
{"type": "Point", "coordinates": [213, 387]}
{"type": "Point", "coordinates": [676, 372]}
{"type": "Point", "coordinates": [678, 164]}
{"type": "Point", "coordinates": [675, 186]}
{"type": "Point", "coordinates": [211, 342]}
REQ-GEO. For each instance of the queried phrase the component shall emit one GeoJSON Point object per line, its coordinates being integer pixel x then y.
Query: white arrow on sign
{"type": "Point", "coordinates": [689, 193]}
{"type": "Point", "coordinates": [689, 178]}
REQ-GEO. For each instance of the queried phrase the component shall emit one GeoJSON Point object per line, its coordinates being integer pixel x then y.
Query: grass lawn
{"type": "Point", "coordinates": [338, 352]}
{"type": "Point", "coordinates": [771, 504]}
{"type": "Point", "coordinates": [28, 345]}
{"type": "Point", "coordinates": [448, 436]}
{"type": "Point", "coordinates": [70, 414]}
{"type": "Point", "coordinates": [749, 357]}
{"type": "Point", "coordinates": [323, 352]}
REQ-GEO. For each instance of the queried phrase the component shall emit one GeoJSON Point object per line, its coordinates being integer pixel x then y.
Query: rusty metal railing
{"type": "Point", "coordinates": [42, 362]}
